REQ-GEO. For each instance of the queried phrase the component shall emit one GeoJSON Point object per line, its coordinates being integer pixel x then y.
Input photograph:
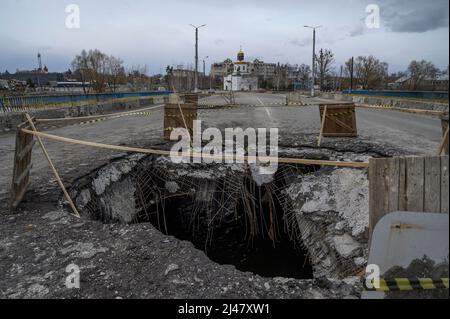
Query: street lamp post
{"type": "Point", "coordinates": [204, 71]}
{"type": "Point", "coordinates": [196, 54]}
{"type": "Point", "coordinates": [313, 58]}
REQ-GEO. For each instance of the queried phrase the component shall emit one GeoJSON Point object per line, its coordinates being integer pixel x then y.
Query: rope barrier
{"type": "Point", "coordinates": [55, 172]}
{"type": "Point", "coordinates": [199, 155]}
{"type": "Point", "coordinates": [98, 116]}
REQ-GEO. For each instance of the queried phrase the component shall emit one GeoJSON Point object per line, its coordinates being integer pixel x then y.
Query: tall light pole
{"type": "Point", "coordinates": [313, 58]}
{"type": "Point", "coordinates": [196, 53]}
{"type": "Point", "coordinates": [204, 70]}
{"type": "Point", "coordinates": [351, 76]}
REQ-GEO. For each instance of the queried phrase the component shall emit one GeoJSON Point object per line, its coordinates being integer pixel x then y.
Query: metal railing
{"type": "Point", "coordinates": [24, 103]}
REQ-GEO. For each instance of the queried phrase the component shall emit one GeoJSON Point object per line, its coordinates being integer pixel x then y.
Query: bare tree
{"type": "Point", "coordinates": [98, 64]}
{"type": "Point", "coordinates": [92, 67]}
{"type": "Point", "coordinates": [348, 68]}
{"type": "Point", "coordinates": [281, 76]}
{"type": "Point", "coordinates": [137, 75]}
{"type": "Point", "coordinates": [116, 72]}
{"type": "Point", "coordinates": [370, 72]}
{"type": "Point", "coordinates": [421, 71]}
{"type": "Point", "coordinates": [168, 78]}
{"type": "Point", "coordinates": [325, 61]}
{"type": "Point", "coordinates": [304, 73]}
{"type": "Point", "coordinates": [81, 71]}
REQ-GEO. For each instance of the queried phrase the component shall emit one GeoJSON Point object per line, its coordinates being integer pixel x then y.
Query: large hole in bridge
{"type": "Point", "coordinates": [219, 208]}
{"type": "Point", "coordinates": [249, 233]}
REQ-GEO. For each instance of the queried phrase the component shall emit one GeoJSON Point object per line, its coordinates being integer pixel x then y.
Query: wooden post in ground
{"type": "Point", "coordinates": [444, 143]}
{"type": "Point", "coordinates": [323, 125]}
{"type": "Point", "coordinates": [55, 172]}
{"type": "Point", "coordinates": [22, 165]}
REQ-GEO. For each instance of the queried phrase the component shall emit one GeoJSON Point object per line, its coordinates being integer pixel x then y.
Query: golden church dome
{"type": "Point", "coordinates": [240, 55]}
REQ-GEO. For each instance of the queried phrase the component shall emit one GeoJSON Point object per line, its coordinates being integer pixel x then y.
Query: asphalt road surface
{"type": "Point", "coordinates": [41, 239]}
{"type": "Point", "coordinates": [243, 98]}
{"type": "Point", "coordinates": [410, 133]}
{"type": "Point", "coordinates": [418, 132]}
{"type": "Point", "coordinates": [423, 127]}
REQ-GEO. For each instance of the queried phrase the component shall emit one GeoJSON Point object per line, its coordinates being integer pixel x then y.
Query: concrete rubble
{"type": "Point", "coordinates": [330, 203]}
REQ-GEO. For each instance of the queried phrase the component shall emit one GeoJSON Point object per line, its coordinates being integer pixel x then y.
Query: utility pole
{"type": "Point", "coordinates": [39, 70]}
{"type": "Point", "coordinates": [313, 59]}
{"type": "Point", "coordinates": [204, 71]}
{"type": "Point", "coordinates": [196, 55]}
{"type": "Point", "coordinates": [351, 76]}
{"type": "Point", "coordinates": [204, 65]}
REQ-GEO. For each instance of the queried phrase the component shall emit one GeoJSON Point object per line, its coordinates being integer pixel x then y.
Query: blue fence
{"type": "Point", "coordinates": [403, 94]}
{"type": "Point", "coordinates": [12, 103]}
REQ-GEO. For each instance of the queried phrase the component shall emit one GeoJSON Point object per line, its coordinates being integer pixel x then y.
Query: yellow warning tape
{"type": "Point", "coordinates": [341, 113]}
{"type": "Point", "coordinates": [409, 284]}
{"type": "Point", "coordinates": [399, 109]}
{"type": "Point", "coordinates": [302, 104]}
{"type": "Point", "coordinates": [179, 116]}
{"type": "Point", "coordinates": [205, 107]}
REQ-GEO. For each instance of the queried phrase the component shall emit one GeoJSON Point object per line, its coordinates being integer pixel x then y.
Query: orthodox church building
{"type": "Point", "coordinates": [242, 78]}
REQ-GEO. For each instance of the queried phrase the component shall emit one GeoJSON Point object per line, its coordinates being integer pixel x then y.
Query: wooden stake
{"type": "Point", "coordinates": [76, 213]}
{"type": "Point", "coordinates": [182, 114]}
{"type": "Point", "coordinates": [444, 140]}
{"type": "Point", "coordinates": [324, 116]}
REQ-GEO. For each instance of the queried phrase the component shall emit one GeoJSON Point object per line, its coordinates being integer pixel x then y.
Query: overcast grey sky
{"type": "Point", "coordinates": [157, 33]}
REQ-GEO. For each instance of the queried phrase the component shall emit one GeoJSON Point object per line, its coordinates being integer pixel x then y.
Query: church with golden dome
{"type": "Point", "coordinates": [242, 78]}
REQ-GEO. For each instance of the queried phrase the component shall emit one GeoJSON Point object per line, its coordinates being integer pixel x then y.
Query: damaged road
{"type": "Point", "coordinates": [136, 260]}
{"type": "Point", "coordinates": [126, 261]}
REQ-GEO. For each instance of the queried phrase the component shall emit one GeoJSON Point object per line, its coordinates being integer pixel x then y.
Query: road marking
{"type": "Point", "coordinates": [259, 100]}
{"type": "Point", "coordinates": [267, 110]}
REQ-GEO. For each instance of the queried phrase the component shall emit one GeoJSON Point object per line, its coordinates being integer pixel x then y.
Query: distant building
{"type": "Point", "coordinates": [440, 82]}
{"type": "Point", "coordinates": [70, 86]}
{"type": "Point", "coordinates": [267, 74]}
{"type": "Point", "coordinates": [264, 71]}
{"type": "Point", "coordinates": [242, 78]}
{"type": "Point", "coordinates": [400, 82]}
{"type": "Point", "coordinates": [4, 85]}
{"type": "Point", "coordinates": [39, 77]}
{"type": "Point", "coordinates": [221, 70]}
